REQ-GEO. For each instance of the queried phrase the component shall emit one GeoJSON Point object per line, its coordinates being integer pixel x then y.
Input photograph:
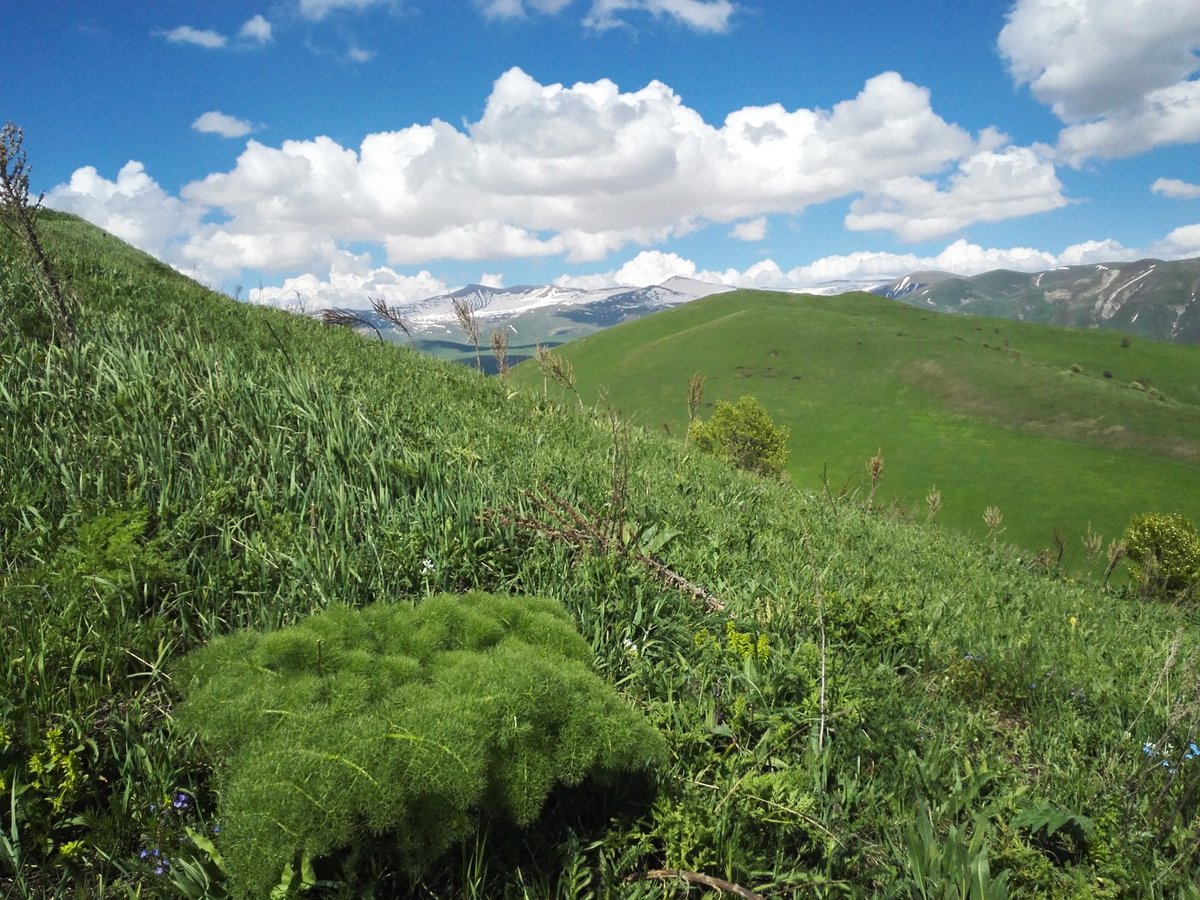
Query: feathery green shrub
{"type": "Point", "coordinates": [410, 722]}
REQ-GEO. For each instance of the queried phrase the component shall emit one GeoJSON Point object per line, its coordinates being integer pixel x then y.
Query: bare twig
{"type": "Point", "coordinates": [717, 884]}
{"type": "Point", "coordinates": [563, 521]}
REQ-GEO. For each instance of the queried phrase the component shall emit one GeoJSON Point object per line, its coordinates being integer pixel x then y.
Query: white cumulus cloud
{"type": "Point", "coordinates": [1176, 189]}
{"type": "Point", "coordinates": [351, 284]}
{"type": "Point", "coordinates": [702, 15]}
{"type": "Point", "coordinates": [206, 38]}
{"type": "Point", "coordinates": [1182, 243]}
{"type": "Point", "coordinates": [256, 29]}
{"type": "Point", "coordinates": [134, 207]}
{"type": "Point", "coordinates": [316, 10]}
{"type": "Point", "coordinates": [1119, 74]}
{"type": "Point", "coordinates": [961, 257]}
{"type": "Point", "coordinates": [989, 186]}
{"type": "Point", "coordinates": [586, 169]}
{"type": "Point", "coordinates": [580, 172]}
{"type": "Point", "coordinates": [754, 230]}
{"type": "Point", "coordinates": [216, 122]}
{"type": "Point", "coordinates": [519, 9]}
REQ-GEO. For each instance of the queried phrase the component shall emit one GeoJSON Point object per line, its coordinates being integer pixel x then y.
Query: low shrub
{"type": "Point", "coordinates": [409, 722]}
{"type": "Point", "coordinates": [743, 435]}
{"type": "Point", "coordinates": [1164, 551]}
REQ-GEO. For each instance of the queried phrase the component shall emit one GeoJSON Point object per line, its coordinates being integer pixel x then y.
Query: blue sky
{"type": "Point", "coordinates": [346, 148]}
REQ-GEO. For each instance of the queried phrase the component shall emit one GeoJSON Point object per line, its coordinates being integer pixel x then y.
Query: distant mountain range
{"type": "Point", "coordinates": [605, 306]}
{"type": "Point", "coordinates": [533, 314]}
{"type": "Point", "coordinates": [1150, 297]}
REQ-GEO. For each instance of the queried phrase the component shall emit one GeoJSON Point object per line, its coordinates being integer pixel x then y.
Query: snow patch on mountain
{"type": "Point", "coordinates": [499, 304]}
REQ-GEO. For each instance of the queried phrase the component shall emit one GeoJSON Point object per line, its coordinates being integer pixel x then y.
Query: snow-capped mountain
{"type": "Point", "coordinates": [492, 305]}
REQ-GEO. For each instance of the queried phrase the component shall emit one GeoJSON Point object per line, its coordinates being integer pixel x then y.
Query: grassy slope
{"type": "Point", "coordinates": [989, 411]}
{"type": "Point", "coordinates": [197, 466]}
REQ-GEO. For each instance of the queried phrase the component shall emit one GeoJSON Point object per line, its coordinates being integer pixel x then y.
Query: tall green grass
{"type": "Point", "coordinates": [883, 708]}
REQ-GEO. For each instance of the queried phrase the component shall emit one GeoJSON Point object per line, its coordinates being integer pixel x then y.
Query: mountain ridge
{"type": "Point", "coordinates": [1150, 297]}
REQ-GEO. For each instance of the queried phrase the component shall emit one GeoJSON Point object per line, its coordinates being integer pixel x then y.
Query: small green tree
{"type": "Point", "coordinates": [743, 435]}
{"type": "Point", "coordinates": [1164, 552]}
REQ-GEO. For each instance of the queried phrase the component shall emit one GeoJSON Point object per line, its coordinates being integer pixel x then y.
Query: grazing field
{"type": "Point", "coordinates": [1059, 429]}
{"type": "Point", "coordinates": [214, 516]}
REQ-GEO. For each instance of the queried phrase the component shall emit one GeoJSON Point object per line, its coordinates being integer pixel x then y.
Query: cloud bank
{"type": "Point", "coordinates": [585, 170]}
{"type": "Point", "coordinates": [1118, 74]}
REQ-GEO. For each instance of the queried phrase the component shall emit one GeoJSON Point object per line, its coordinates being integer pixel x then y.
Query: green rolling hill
{"type": "Point", "coordinates": [1059, 428]}
{"type": "Point", "coordinates": [842, 704]}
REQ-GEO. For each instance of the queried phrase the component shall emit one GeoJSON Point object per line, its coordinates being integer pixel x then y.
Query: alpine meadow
{"type": "Point", "coordinates": [288, 612]}
{"type": "Point", "coordinates": [1069, 433]}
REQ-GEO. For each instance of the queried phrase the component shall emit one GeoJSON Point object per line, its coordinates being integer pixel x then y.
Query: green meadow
{"type": "Point", "coordinates": [290, 612]}
{"type": "Point", "coordinates": [1059, 428]}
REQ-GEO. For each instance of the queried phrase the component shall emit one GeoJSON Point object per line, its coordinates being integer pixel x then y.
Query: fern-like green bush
{"type": "Point", "coordinates": [743, 435]}
{"type": "Point", "coordinates": [409, 722]}
{"type": "Point", "coordinates": [1165, 552]}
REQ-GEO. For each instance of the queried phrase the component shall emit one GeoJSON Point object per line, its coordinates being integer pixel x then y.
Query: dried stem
{"type": "Point", "coordinates": [717, 884]}
{"type": "Point", "coordinates": [875, 470]}
{"type": "Point", "coordinates": [562, 521]}
{"type": "Point", "coordinates": [558, 368]}
{"type": "Point", "coordinates": [816, 576]}
{"type": "Point", "coordinates": [349, 318]}
{"type": "Point", "coordinates": [694, 398]}
{"type": "Point", "coordinates": [391, 315]}
{"type": "Point", "coordinates": [500, 348]}
{"type": "Point", "coordinates": [470, 325]}
{"type": "Point", "coordinates": [20, 217]}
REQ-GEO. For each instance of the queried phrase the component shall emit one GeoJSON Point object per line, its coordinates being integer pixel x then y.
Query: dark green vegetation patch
{"type": "Point", "coordinates": [402, 721]}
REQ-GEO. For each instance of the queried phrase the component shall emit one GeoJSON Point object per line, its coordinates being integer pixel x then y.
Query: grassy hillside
{"type": "Point", "coordinates": [851, 705]}
{"type": "Point", "coordinates": [1058, 428]}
